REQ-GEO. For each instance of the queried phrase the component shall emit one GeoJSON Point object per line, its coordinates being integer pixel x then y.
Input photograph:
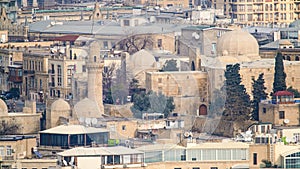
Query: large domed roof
{"type": "Point", "coordinates": [60, 105]}
{"type": "Point", "coordinates": [141, 60]}
{"type": "Point", "coordinates": [87, 108]}
{"type": "Point", "coordinates": [238, 43]}
{"type": "Point", "coordinates": [3, 108]}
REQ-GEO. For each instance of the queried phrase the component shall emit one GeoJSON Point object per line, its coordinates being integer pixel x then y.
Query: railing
{"type": "Point", "coordinates": [7, 158]}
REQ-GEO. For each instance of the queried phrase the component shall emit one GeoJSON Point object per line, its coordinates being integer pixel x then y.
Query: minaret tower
{"type": "Point", "coordinates": [95, 66]}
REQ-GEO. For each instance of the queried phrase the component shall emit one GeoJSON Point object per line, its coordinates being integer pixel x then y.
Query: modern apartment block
{"type": "Point", "coordinates": [260, 12]}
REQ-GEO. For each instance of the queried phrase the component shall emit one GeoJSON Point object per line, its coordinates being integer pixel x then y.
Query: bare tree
{"type": "Point", "coordinates": [9, 127]}
{"type": "Point", "coordinates": [134, 43]}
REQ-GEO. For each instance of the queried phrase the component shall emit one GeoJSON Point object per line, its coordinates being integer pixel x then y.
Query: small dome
{"type": "Point", "coordinates": [238, 43]}
{"type": "Point", "coordinates": [60, 105]}
{"type": "Point", "coordinates": [3, 108]}
{"type": "Point", "coordinates": [87, 108]}
{"type": "Point", "coordinates": [141, 60]}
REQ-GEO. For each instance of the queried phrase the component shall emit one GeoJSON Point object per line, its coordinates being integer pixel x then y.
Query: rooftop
{"type": "Point", "coordinates": [110, 28]}
{"type": "Point", "coordinates": [97, 151]}
{"type": "Point", "coordinates": [73, 129]}
{"type": "Point", "coordinates": [283, 93]}
{"type": "Point", "coordinates": [15, 137]}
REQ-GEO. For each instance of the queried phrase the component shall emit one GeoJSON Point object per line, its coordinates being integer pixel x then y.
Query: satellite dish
{"type": "Point", "coordinates": [248, 132]}
{"type": "Point", "coordinates": [195, 35]}
{"type": "Point", "coordinates": [88, 120]}
{"type": "Point", "coordinates": [188, 134]}
{"type": "Point", "coordinates": [286, 121]}
{"type": "Point", "coordinates": [65, 163]}
{"type": "Point", "coordinates": [94, 121]}
{"type": "Point", "coordinates": [71, 161]}
{"type": "Point", "coordinates": [81, 120]}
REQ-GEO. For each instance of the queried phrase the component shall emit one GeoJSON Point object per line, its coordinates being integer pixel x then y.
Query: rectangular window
{"type": "Point", "coordinates": [105, 44]}
{"type": "Point", "coordinates": [264, 110]}
{"type": "Point", "coordinates": [281, 115]}
{"type": "Point", "coordinates": [126, 22]}
{"type": "Point", "coordinates": [254, 158]}
{"type": "Point", "coordinates": [123, 127]}
{"type": "Point", "coordinates": [213, 48]}
{"type": "Point", "coordinates": [59, 81]}
{"type": "Point", "coordinates": [2, 151]}
{"type": "Point", "coordinates": [183, 157]}
{"type": "Point", "coordinates": [8, 150]}
{"type": "Point", "coordinates": [159, 43]}
{"type": "Point", "coordinates": [83, 68]}
{"type": "Point", "coordinates": [52, 68]}
{"type": "Point", "coordinates": [58, 69]}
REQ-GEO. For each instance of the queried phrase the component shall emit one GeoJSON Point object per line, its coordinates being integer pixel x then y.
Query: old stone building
{"type": "Point", "coordinates": [188, 88]}
{"type": "Point", "coordinates": [21, 119]}
{"type": "Point", "coordinates": [240, 47]}
{"type": "Point", "coordinates": [282, 110]}
{"type": "Point", "coordinates": [16, 32]}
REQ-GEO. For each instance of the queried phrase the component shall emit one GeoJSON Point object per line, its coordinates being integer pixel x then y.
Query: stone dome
{"type": "Point", "coordinates": [60, 105]}
{"type": "Point", "coordinates": [87, 108]}
{"type": "Point", "coordinates": [3, 108]}
{"type": "Point", "coordinates": [238, 43]}
{"type": "Point", "coordinates": [141, 60]}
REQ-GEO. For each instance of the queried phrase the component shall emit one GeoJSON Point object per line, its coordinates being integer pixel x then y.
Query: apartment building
{"type": "Point", "coordinates": [260, 12]}
{"type": "Point", "coordinates": [35, 74]}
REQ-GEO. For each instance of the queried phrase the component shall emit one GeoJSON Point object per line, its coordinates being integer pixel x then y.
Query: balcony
{"type": "Point", "coordinates": [6, 158]}
{"type": "Point", "coordinates": [29, 71]}
{"type": "Point", "coordinates": [258, 11]}
{"type": "Point", "coordinates": [258, 2]}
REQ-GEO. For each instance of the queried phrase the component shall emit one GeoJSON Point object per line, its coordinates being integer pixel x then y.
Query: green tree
{"type": "Point", "coordinates": [140, 105]}
{"type": "Point", "coordinates": [259, 94]}
{"type": "Point", "coordinates": [279, 83]}
{"type": "Point", "coordinates": [295, 91]}
{"type": "Point", "coordinates": [170, 65]}
{"type": "Point", "coordinates": [152, 102]}
{"type": "Point", "coordinates": [107, 75]}
{"type": "Point", "coordinates": [237, 104]}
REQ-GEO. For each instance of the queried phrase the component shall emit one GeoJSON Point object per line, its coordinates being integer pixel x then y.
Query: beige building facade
{"type": "Point", "coordinates": [260, 12]}
{"type": "Point", "coordinates": [188, 88]}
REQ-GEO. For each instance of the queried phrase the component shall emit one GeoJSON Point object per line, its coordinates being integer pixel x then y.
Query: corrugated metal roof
{"type": "Point", "coordinates": [108, 28]}
{"type": "Point", "coordinates": [73, 129]}
{"type": "Point", "coordinates": [97, 151]}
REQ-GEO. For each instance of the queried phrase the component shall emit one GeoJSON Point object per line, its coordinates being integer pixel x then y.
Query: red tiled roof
{"type": "Point", "coordinates": [283, 93]}
{"type": "Point", "coordinates": [66, 38]}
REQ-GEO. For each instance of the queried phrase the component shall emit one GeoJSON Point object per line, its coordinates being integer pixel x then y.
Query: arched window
{"type": "Point", "coordinates": [95, 58]}
{"type": "Point", "coordinates": [202, 110]}
{"type": "Point", "coordinates": [193, 66]}
{"type": "Point", "coordinates": [288, 58]}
